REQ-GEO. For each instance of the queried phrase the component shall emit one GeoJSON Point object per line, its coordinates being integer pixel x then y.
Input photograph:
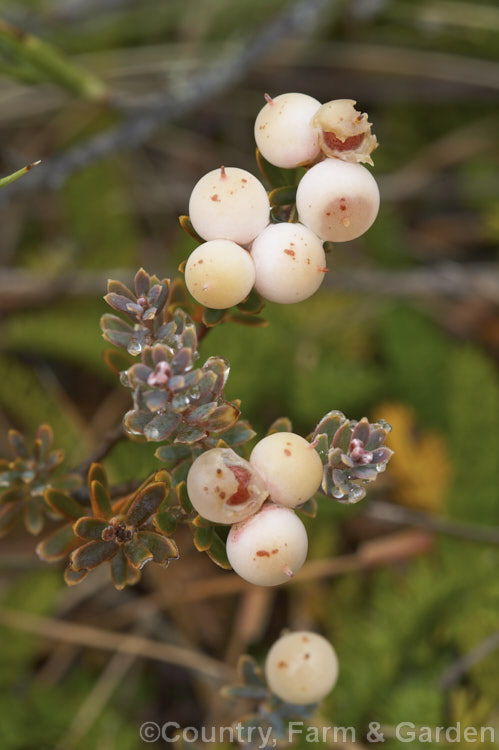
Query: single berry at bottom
{"type": "Point", "coordinates": [301, 667]}
{"type": "Point", "coordinates": [268, 548]}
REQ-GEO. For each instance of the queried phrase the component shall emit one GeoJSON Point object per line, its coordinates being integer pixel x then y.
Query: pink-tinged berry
{"type": "Point", "coordinates": [229, 203]}
{"type": "Point", "coordinates": [223, 487]}
{"type": "Point", "coordinates": [301, 668]}
{"type": "Point", "coordinates": [344, 132]}
{"type": "Point", "coordinates": [284, 132]}
{"type": "Point", "coordinates": [219, 274]}
{"type": "Point", "coordinates": [290, 262]}
{"type": "Point", "coordinates": [290, 466]}
{"type": "Point", "coordinates": [337, 200]}
{"type": "Point", "coordinates": [269, 547]}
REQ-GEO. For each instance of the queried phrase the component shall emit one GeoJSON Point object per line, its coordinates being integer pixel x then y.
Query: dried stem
{"type": "Point", "coordinates": [110, 440]}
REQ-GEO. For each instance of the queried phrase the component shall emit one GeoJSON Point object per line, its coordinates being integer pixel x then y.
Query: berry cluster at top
{"type": "Point", "coordinates": [247, 243]}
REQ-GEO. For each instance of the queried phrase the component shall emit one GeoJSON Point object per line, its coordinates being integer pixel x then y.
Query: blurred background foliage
{"type": "Point", "coordinates": [390, 335]}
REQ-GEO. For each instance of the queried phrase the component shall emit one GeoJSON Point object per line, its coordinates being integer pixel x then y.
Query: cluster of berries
{"type": "Point", "coordinates": [267, 543]}
{"type": "Point", "coordinates": [337, 200]}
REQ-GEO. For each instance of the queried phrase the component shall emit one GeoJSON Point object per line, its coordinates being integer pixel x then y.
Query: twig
{"type": "Point", "coordinates": [456, 670]}
{"type": "Point", "coordinates": [396, 514]}
{"type": "Point", "coordinates": [86, 635]}
{"type": "Point", "coordinates": [110, 440]}
{"type": "Point", "coordinates": [24, 289]}
{"type": "Point", "coordinates": [139, 126]}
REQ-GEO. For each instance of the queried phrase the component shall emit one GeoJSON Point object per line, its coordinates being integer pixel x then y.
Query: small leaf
{"type": "Point", "coordinates": [90, 528]}
{"type": "Point", "coordinates": [183, 497]}
{"type": "Point", "coordinates": [309, 508]}
{"type": "Point", "coordinates": [163, 550]}
{"type": "Point", "coordinates": [342, 437]}
{"type": "Point", "coordinates": [146, 504]}
{"type": "Point", "coordinates": [72, 577]}
{"type": "Point", "coordinates": [99, 499]}
{"type": "Point", "coordinates": [203, 537]}
{"type": "Point", "coordinates": [283, 196]}
{"type": "Point", "coordinates": [89, 555]}
{"type": "Point", "coordinates": [329, 424]}
{"type": "Point", "coordinates": [116, 360]}
{"type": "Point", "coordinates": [283, 424]}
{"type": "Point", "coordinates": [253, 321]}
{"type": "Point", "coordinates": [224, 417]}
{"type": "Point", "coordinates": [186, 225]}
{"type": "Point", "coordinates": [137, 554]}
{"type": "Point", "coordinates": [142, 282]}
{"type": "Point", "coordinates": [239, 433]}
{"type": "Point", "coordinates": [97, 473]}
{"type": "Point", "coordinates": [175, 452]}
{"type": "Point", "coordinates": [122, 304]}
{"type": "Point", "coordinates": [213, 317]}
{"type": "Point", "coordinates": [361, 431]}
{"type": "Point", "coordinates": [253, 304]}
{"type": "Point", "coordinates": [33, 516]}
{"type": "Point", "coordinates": [58, 544]}
{"type": "Point", "coordinates": [165, 522]}
{"type": "Point", "coordinates": [44, 439]}
{"type": "Point", "coordinates": [15, 175]}
{"type": "Point", "coordinates": [63, 504]}
{"type": "Point", "coordinates": [116, 287]}
{"type": "Point", "coordinates": [250, 673]}
{"type": "Point", "coordinates": [218, 553]}
{"type": "Point", "coordinates": [161, 427]}
{"type": "Point", "coordinates": [18, 444]}
{"type": "Point", "coordinates": [201, 413]}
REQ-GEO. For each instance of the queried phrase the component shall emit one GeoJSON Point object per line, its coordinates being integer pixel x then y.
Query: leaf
{"type": "Point", "coordinates": [253, 304]}
{"type": "Point", "coordinates": [116, 287]}
{"type": "Point", "coordinates": [72, 577]}
{"type": "Point", "coordinates": [239, 433]}
{"type": "Point", "coordinates": [186, 225]}
{"type": "Point", "coordinates": [283, 196]}
{"type": "Point", "coordinates": [343, 436]}
{"type": "Point", "coordinates": [203, 537]}
{"type": "Point", "coordinates": [222, 418]}
{"type": "Point", "coordinates": [99, 499]}
{"type": "Point", "coordinates": [183, 497]}
{"type": "Point", "coordinates": [63, 504]}
{"type": "Point", "coordinates": [175, 452]}
{"type": "Point", "coordinates": [90, 528]}
{"type": "Point", "coordinates": [161, 427]}
{"type": "Point", "coordinates": [201, 413]}
{"type": "Point", "coordinates": [361, 431]}
{"type": "Point", "coordinates": [89, 555]}
{"type": "Point", "coordinates": [142, 282]}
{"type": "Point", "coordinates": [212, 317]}
{"type": "Point", "coordinates": [97, 473]}
{"type": "Point", "coordinates": [253, 321]}
{"type": "Point", "coordinates": [283, 424]}
{"type": "Point", "coordinates": [309, 508]}
{"type": "Point", "coordinates": [33, 515]}
{"type": "Point", "coordinates": [43, 442]}
{"type": "Point", "coordinates": [146, 504]}
{"type": "Point", "coordinates": [137, 553]}
{"type": "Point", "coordinates": [9, 513]}
{"type": "Point", "coordinates": [163, 549]}
{"type": "Point", "coordinates": [218, 553]}
{"type": "Point", "coordinates": [165, 522]}
{"type": "Point", "coordinates": [4, 181]}
{"type": "Point", "coordinates": [250, 673]}
{"type": "Point", "coordinates": [18, 444]}
{"type": "Point", "coordinates": [275, 176]}
{"type": "Point", "coordinates": [330, 424]}
{"type": "Point", "coordinates": [58, 544]}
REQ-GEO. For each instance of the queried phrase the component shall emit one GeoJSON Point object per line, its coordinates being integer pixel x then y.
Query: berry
{"type": "Point", "coordinates": [269, 547]}
{"type": "Point", "coordinates": [229, 203]}
{"type": "Point", "coordinates": [344, 132]}
{"type": "Point", "coordinates": [219, 274]}
{"type": "Point", "coordinates": [284, 132]}
{"type": "Point", "coordinates": [337, 200]}
{"type": "Point", "coordinates": [301, 668]}
{"type": "Point", "coordinates": [290, 467]}
{"type": "Point", "coordinates": [289, 262]}
{"type": "Point", "coordinates": [223, 487]}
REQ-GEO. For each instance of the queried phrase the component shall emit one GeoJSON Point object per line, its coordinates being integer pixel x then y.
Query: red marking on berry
{"type": "Point", "coordinates": [215, 198]}
{"type": "Point", "coordinates": [275, 551]}
{"type": "Point", "coordinates": [243, 476]}
{"type": "Point", "coordinates": [290, 252]}
{"type": "Point", "coordinates": [263, 553]}
{"type": "Point", "coordinates": [287, 452]}
{"type": "Point", "coordinates": [282, 665]}
{"type": "Point", "coordinates": [335, 144]}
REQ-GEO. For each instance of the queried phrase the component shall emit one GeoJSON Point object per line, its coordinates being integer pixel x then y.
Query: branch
{"type": "Point", "coordinates": [107, 640]}
{"type": "Point", "coordinates": [456, 670]}
{"type": "Point", "coordinates": [399, 515]}
{"type": "Point", "coordinates": [110, 440]}
{"type": "Point", "coordinates": [138, 127]}
{"type": "Point", "coordinates": [24, 289]}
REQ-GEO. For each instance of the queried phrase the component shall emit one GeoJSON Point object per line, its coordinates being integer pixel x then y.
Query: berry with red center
{"type": "Point", "coordinates": [344, 132]}
{"type": "Point", "coordinates": [284, 132]}
{"type": "Point", "coordinates": [301, 667]}
{"type": "Point", "coordinates": [219, 274]}
{"type": "Point", "coordinates": [229, 203]}
{"type": "Point", "coordinates": [269, 547]}
{"type": "Point", "coordinates": [290, 465]}
{"type": "Point", "coordinates": [337, 200]}
{"type": "Point", "coordinates": [290, 262]}
{"type": "Point", "coordinates": [223, 487]}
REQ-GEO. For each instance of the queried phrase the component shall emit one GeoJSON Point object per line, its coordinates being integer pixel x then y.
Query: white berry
{"type": "Point", "coordinates": [229, 203]}
{"type": "Point", "coordinates": [219, 274]}
{"type": "Point", "coordinates": [301, 668]}
{"type": "Point", "coordinates": [290, 467]}
{"type": "Point", "coordinates": [337, 200]}
{"type": "Point", "coordinates": [345, 133]}
{"type": "Point", "coordinates": [269, 547]}
{"type": "Point", "coordinates": [290, 262]}
{"type": "Point", "coordinates": [284, 132]}
{"type": "Point", "coordinates": [223, 487]}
